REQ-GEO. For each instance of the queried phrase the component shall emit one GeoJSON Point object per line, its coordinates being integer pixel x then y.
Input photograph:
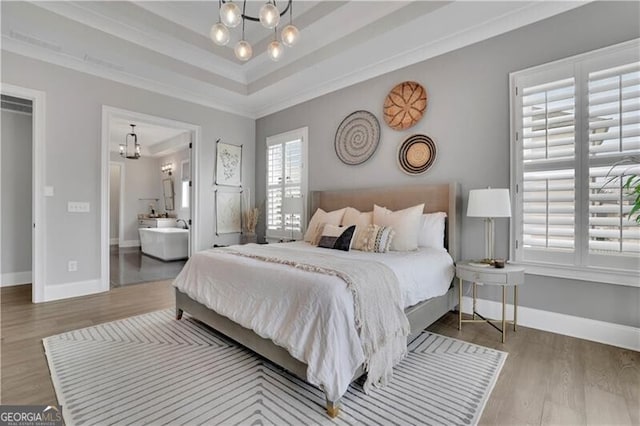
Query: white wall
{"type": "Point", "coordinates": [176, 159]}
{"type": "Point", "coordinates": [114, 201]}
{"type": "Point", "coordinates": [73, 159]}
{"type": "Point", "coordinates": [140, 185]}
{"type": "Point", "coordinates": [16, 172]}
{"type": "Point", "coordinates": [468, 118]}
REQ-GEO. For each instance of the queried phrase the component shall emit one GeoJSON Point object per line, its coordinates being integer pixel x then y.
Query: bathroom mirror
{"type": "Point", "coordinates": [167, 188]}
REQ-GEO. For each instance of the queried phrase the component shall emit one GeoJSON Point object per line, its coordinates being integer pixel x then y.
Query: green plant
{"type": "Point", "coordinates": [630, 178]}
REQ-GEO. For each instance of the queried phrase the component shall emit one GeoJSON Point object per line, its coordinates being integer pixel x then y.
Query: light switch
{"type": "Point", "coordinates": [48, 191]}
{"type": "Point", "coordinates": [78, 207]}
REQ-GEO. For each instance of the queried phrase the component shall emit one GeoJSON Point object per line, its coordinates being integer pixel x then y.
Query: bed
{"type": "Point", "coordinates": [437, 197]}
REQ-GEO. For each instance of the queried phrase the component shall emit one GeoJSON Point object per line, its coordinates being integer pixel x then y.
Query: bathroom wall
{"type": "Point", "coordinates": [176, 160]}
{"type": "Point", "coordinates": [15, 176]}
{"type": "Point", "coordinates": [114, 203]}
{"type": "Point", "coordinates": [141, 189]}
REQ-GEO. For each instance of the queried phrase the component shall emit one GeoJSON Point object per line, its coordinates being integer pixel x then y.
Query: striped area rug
{"type": "Point", "coordinates": [152, 369]}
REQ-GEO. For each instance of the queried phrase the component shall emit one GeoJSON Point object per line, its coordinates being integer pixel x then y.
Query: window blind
{"type": "Point", "coordinates": [548, 146]}
{"type": "Point", "coordinates": [286, 178]}
{"type": "Point", "coordinates": [614, 138]}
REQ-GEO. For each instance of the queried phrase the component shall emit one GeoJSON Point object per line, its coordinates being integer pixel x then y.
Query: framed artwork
{"type": "Point", "coordinates": [228, 164]}
{"type": "Point", "coordinates": [228, 212]}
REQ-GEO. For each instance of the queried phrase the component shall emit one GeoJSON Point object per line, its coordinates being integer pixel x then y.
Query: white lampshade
{"type": "Point", "coordinates": [490, 202]}
{"type": "Point", "coordinates": [220, 34]}
{"type": "Point", "coordinates": [269, 16]}
{"type": "Point", "coordinates": [243, 50]}
{"type": "Point", "coordinates": [230, 15]}
{"type": "Point", "coordinates": [275, 50]}
{"type": "Point", "coordinates": [289, 35]}
{"type": "Point", "coordinates": [292, 205]}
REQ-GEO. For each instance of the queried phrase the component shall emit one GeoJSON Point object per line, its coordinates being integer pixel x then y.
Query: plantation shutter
{"type": "Point", "coordinates": [286, 178]}
{"type": "Point", "coordinates": [275, 188]}
{"type": "Point", "coordinates": [613, 137]}
{"type": "Point", "coordinates": [548, 155]}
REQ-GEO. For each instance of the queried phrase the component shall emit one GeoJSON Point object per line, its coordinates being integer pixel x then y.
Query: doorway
{"type": "Point", "coordinates": [150, 209]}
{"type": "Point", "coordinates": [22, 225]}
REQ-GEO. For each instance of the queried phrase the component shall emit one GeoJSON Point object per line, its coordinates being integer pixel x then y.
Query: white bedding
{"type": "Point", "coordinates": [309, 314]}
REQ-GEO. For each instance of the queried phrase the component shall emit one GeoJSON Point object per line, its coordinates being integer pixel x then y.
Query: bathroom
{"type": "Point", "coordinates": [149, 201]}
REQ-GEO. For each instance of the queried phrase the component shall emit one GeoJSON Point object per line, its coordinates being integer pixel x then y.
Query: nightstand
{"type": "Point", "coordinates": [509, 276]}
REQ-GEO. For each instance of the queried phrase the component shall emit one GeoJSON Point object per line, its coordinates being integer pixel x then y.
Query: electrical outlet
{"type": "Point", "coordinates": [78, 207]}
{"type": "Point", "coordinates": [72, 266]}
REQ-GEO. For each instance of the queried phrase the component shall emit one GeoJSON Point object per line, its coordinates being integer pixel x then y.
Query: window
{"type": "Point", "coordinates": [576, 132]}
{"type": "Point", "coordinates": [185, 171]}
{"type": "Point", "coordinates": [286, 159]}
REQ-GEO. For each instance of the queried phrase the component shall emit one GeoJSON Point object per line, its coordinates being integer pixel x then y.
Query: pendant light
{"type": "Point", "coordinates": [269, 15]}
{"type": "Point", "coordinates": [124, 147]}
{"type": "Point", "coordinates": [220, 34]}
{"type": "Point", "coordinates": [275, 48]}
{"type": "Point", "coordinates": [290, 33]}
{"type": "Point", "coordinates": [230, 14]}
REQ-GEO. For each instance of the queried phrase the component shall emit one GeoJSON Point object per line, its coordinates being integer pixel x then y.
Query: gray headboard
{"type": "Point", "coordinates": [444, 197]}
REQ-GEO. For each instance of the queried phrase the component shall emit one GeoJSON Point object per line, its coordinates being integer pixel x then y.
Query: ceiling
{"type": "Point", "coordinates": [155, 140]}
{"type": "Point", "coordinates": [164, 46]}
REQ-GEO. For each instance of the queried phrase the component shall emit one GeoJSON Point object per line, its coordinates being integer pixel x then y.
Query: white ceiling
{"type": "Point", "coordinates": [154, 140]}
{"type": "Point", "coordinates": [164, 46]}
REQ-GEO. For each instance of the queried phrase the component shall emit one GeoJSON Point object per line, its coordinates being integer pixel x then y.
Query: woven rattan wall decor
{"type": "Point", "coordinates": [357, 137]}
{"type": "Point", "coordinates": [405, 105]}
{"type": "Point", "coordinates": [416, 154]}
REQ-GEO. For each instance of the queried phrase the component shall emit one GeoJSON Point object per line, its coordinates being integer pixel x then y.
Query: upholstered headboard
{"type": "Point", "coordinates": [436, 198]}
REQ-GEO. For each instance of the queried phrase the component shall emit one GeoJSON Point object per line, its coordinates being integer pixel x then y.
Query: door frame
{"type": "Point", "coordinates": [108, 113]}
{"type": "Point", "coordinates": [39, 232]}
{"type": "Point", "coordinates": [120, 166]}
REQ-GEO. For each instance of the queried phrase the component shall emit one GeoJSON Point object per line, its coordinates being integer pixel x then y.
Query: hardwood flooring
{"type": "Point", "coordinates": [547, 378]}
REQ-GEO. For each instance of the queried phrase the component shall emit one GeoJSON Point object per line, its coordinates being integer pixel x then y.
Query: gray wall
{"type": "Point", "coordinates": [468, 118]}
{"type": "Point", "coordinates": [73, 155]}
{"type": "Point", "coordinates": [176, 159]}
{"type": "Point", "coordinates": [16, 192]}
{"type": "Point", "coordinates": [114, 201]}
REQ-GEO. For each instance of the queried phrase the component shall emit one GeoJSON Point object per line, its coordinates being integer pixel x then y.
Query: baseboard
{"type": "Point", "coordinates": [15, 278]}
{"type": "Point", "coordinates": [76, 289]}
{"type": "Point", "coordinates": [130, 243]}
{"type": "Point", "coordinates": [623, 336]}
{"type": "Point", "coordinates": [114, 241]}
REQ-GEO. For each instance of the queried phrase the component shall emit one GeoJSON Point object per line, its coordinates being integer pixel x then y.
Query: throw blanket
{"type": "Point", "coordinates": [382, 324]}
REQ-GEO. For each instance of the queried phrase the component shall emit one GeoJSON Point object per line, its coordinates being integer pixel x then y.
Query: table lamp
{"type": "Point", "coordinates": [489, 203]}
{"type": "Point", "coordinates": [291, 206]}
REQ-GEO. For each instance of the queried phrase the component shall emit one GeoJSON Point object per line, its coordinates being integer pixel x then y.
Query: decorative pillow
{"type": "Point", "coordinates": [431, 232]}
{"type": "Point", "coordinates": [374, 238]}
{"type": "Point", "coordinates": [337, 237]}
{"type": "Point", "coordinates": [319, 218]}
{"type": "Point", "coordinates": [405, 223]}
{"type": "Point", "coordinates": [361, 220]}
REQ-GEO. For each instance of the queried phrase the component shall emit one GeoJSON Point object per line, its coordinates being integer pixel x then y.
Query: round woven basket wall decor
{"type": "Point", "coordinates": [405, 105]}
{"type": "Point", "coordinates": [416, 154]}
{"type": "Point", "coordinates": [357, 137]}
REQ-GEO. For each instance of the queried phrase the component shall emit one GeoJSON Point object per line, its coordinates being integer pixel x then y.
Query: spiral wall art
{"type": "Point", "coordinates": [405, 105]}
{"type": "Point", "coordinates": [416, 154]}
{"type": "Point", "coordinates": [357, 137]}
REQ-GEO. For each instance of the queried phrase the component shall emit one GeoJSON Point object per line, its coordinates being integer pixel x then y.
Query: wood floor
{"type": "Point", "coordinates": [547, 378]}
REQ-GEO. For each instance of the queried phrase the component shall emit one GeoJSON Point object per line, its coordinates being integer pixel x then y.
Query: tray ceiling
{"type": "Point", "coordinates": [164, 46]}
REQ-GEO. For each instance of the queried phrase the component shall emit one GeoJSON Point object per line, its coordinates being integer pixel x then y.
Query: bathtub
{"type": "Point", "coordinates": [165, 243]}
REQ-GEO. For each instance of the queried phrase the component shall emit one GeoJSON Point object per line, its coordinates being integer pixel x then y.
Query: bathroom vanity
{"type": "Point", "coordinates": [157, 222]}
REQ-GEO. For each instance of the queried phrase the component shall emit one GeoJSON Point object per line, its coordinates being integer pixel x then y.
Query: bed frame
{"type": "Point", "coordinates": [437, 197]}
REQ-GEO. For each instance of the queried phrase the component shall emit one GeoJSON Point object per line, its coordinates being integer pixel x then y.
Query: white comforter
{"type": "Point", "coordinates": [309, 314]}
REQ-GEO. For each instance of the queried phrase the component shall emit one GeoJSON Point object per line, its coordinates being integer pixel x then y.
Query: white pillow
{"type": "Point", "coordinates": [431, 232]}
{"type": "Point", "coordinates": [361, 220]}
{"type": "Point", "coordinates": [320, 217]}
{"type": "Point", "coordinates": [405, 223]}
{"type": "Point", "coordinates": [355, 217]}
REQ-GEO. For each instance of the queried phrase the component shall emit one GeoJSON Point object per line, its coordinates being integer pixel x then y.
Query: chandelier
{"type": "Point", "coordinates": [124, 147]}
{"type": "Point", "coordinates": [231, 16]}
